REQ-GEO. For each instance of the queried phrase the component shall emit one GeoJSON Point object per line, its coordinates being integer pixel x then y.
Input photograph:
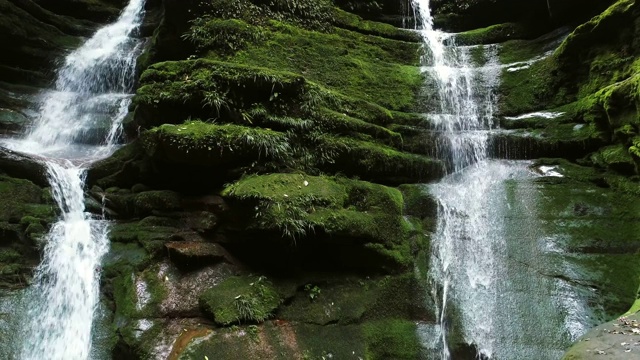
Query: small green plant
{"type": "Point", "coordinates": [253, 331]}
{"type": "Point", "coordinates": [313, 291]}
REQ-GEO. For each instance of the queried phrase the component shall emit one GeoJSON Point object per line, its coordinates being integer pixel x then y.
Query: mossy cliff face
{"type": "Point", "coordinates": [268, 204]}
{"type": "Point", "coordinates": [462, 15]}
{"type": "Point", "coordinates": [589, 79]}
{"type": "Point", "coordinates": [579, 86]}
{"type": "Point", "coordinates": [259, 212]}
{"type": "Point", "coordinates": [268, 208]}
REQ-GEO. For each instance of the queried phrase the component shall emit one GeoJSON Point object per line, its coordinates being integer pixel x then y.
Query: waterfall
{"type": "Point", "coordinates": [79, 122]}
{"type": "Point", "coordinates": [489, 252]}
{"type": "Point", "coordinates": [463, 268]}
{"type": "Point", "coordinates": [464, 112]}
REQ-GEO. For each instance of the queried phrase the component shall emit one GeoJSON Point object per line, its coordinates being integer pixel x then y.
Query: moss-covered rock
{"type": "Point", "coordinates": [213, 145]}
{"type": "Point", "coordinates": [171, 92]}
{"type": "Point", "coordinates": [354, 22]}
{"type": "Point", "coordinates": [297, 205]}
{"type": "Point", "coordinates": [392, 339]}
{"type": "Point", "coordinates": [325, 300]}
{"type": "Point", "coordinates": [148, 202]}
{"type": "Point", "coordinates": [284, 340]}
{"type": "Point", "coordinates": [602, 341]}
{"type": "Point", "coordinates": [192, 254]}
{"type": "Point", "coordinates": [461, 15]}
{"type": "Point", "coordinates": [386, 65]}
{"type": "Point", "coordinates": [351, 224]}
{"type": "Point", "coordinates": [150, 233]}
{"type": "Point", "coordinates": [26, 214]}
{"type": "Point", "coordinates": [240, 299]}
{"type": "Point", "coordinates": [492, 34]}
{"type": "Point", "coordinates": [615, 157]}
{"type": "Point", "coordinates": [124, 168]}
{"type": "Point", "coordinates": [23, 167]}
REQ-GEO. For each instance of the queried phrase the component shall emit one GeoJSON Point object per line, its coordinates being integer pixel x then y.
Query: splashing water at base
{"type": "Point", "coordinates": [79, 122]}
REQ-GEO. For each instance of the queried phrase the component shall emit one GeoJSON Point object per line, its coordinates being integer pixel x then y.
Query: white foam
{"type": "Point", "coordinates": [550, 171]}
{"type": "Point", "coordinates": [540, 114]}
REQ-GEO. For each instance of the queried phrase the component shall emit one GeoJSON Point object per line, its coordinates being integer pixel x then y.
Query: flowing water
{"type": "Point", "coordinates": [79, 121]}
{"type": "Point", "coordinates": [461, 270]}
{"type": "Point", "coordinates": [484, 295]}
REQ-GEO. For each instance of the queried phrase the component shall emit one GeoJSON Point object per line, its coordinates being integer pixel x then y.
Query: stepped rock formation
{"type": "Point", "coordinates": [270, 201]}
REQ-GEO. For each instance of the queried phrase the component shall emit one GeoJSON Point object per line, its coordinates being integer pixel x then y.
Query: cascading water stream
{"type": "Point", "coordinates": [487, 293]}
{"type": "Point", "coordinates": [464, 272]}
{"type": "Point", "coordinates": [79, 122]}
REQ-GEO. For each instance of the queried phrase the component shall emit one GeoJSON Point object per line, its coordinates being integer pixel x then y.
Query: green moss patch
{"type": "Point", "coordinates": [298, 205]}
{"type": "Point", "coordinates": [392, 339]}
{"type": "Point", "coordinates": [23, 198]}
{"type": "Point", "coordinates": [138, 295]}
{"type": "Point", "coordinates": [308, 14]}
{"type": "Point", "coordinates": [224, 35]}
{"type": "Point", "coordinates": [529, 89]}
{"type": "Point", "coordinates": [354, 300]}
{"type": "Point", "coordinates": [380, 163]}
{"type": "Point", "coordinates": [239, 300]}
{"type": "Point", "coordinates": [345, 61]}
{"type": "Point", "coordinates": [616, 157]}
{"type": "Point", "coordinates": [492, 34]}
{"type": "Point", "coordinates": [354, 22]}
{"type": "Point", "coordinates": [149, 235]}
{"type": "Point", "coordinates": [341, 123]}
{"type": "Point", "coordinates": [207, 144]}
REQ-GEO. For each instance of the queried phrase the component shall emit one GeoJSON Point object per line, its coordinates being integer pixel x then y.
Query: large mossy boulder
{"type": "Point", "coordinates": [298, 205]}
{"type": "Point", "coordinates": [615, 340]}
{"type": "Point", "coordinates": [353, 224]}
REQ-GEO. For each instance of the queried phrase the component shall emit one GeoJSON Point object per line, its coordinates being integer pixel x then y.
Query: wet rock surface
{"type": "Point", "coordinates": [617, 339]}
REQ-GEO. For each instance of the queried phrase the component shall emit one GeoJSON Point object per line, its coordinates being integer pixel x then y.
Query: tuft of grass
{"type": "Point", "coordinates": [207, 137]}
{"type": "Point", "coordinates": [240, 299]}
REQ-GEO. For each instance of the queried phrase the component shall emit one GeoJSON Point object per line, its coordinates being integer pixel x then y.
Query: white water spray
{"type": "Point", "coordinates": [79, 122]}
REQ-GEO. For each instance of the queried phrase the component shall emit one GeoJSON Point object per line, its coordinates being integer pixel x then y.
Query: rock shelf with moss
{"type": "Point", "coordinates": [299, 205]}
{"type": "Point", "coordinates": [207, 144]}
